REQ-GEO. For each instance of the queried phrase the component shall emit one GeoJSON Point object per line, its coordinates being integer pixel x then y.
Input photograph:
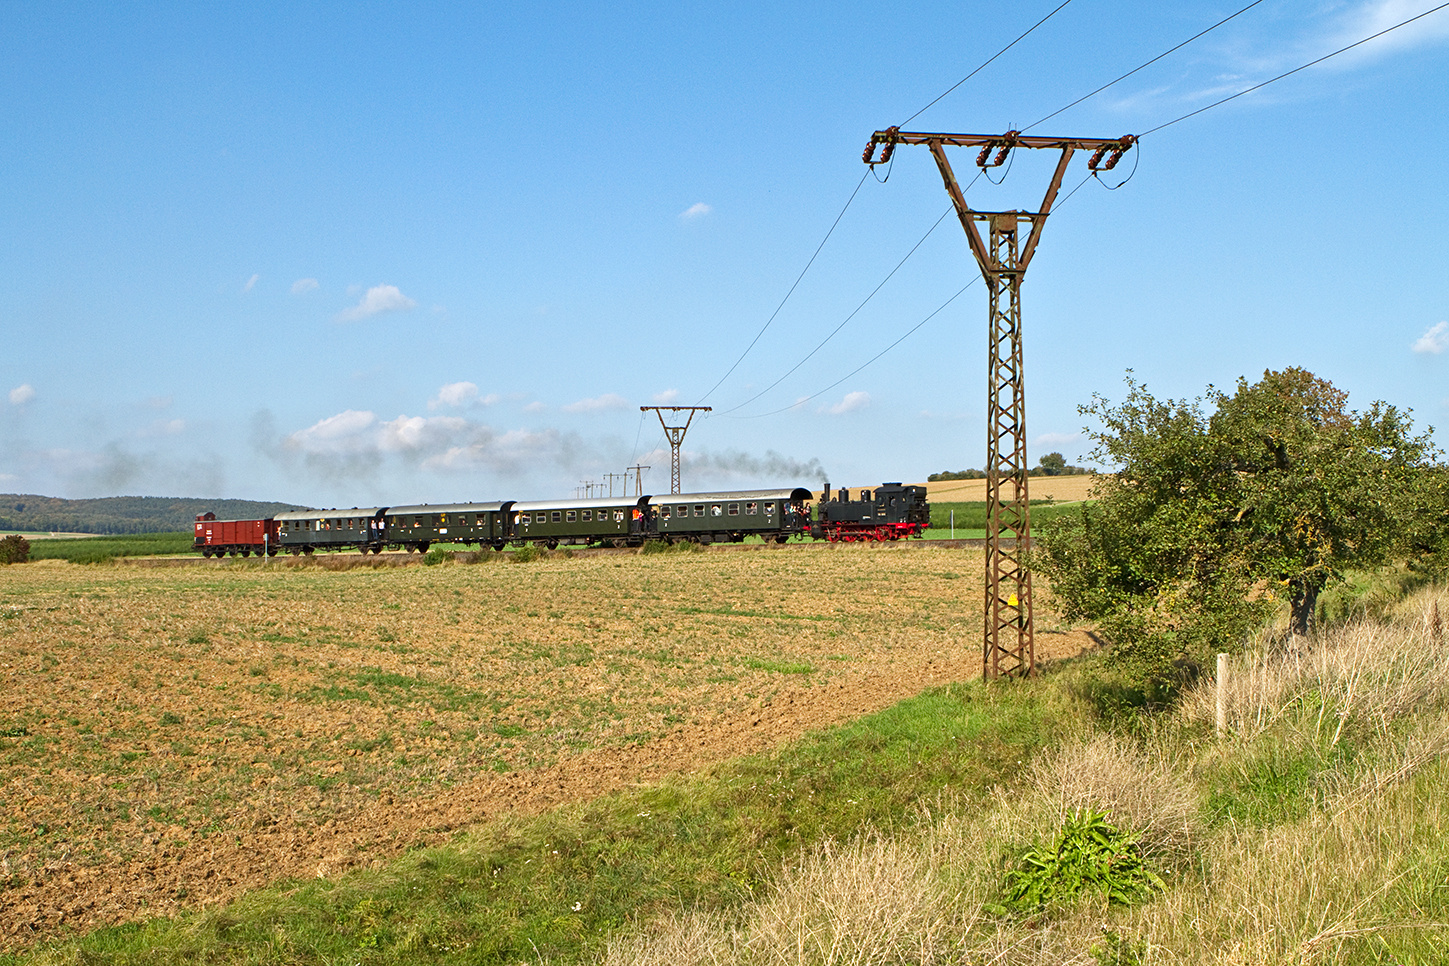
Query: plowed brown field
{"type": "Point", "coordinates": [171, 737]}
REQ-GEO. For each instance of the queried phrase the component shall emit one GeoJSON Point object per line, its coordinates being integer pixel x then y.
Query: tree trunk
{"type": "Point", "coordinates": [1303, 601]}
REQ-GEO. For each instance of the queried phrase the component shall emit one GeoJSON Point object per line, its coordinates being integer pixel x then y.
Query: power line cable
{"type": "Point", "coordinates": [1142, 67]}
{"type": "Point", "coordinates": [909, 332]}
{"type": "Point", "coordinates": [843, 323]}
{"type": "Point", "coordinates": [963, 80]}
{"type": "Point", "coordinates": [773, 314]}
{"type": "Point", "coordinates": [984, 65]}
{"type": "Point", "coordinates": [1295, 70]}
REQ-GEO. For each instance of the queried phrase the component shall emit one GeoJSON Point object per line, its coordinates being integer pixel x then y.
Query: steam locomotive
{"type": "Point", "coordinates": [892, 511]}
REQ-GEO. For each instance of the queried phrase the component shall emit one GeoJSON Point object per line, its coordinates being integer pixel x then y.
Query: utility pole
{"type": "Point", "coordinates": [638, 480]}
{"type": "Point", "coordinates": [675, 435]}
{"type": "Point", "coordinates": [1008, 649]}
{"type": "Point", "coordinates": [611, 477]}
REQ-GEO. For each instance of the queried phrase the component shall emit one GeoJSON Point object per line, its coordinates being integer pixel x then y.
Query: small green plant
{"type": "Point", "coordinates": [434, 557]}
{"type": "Point", "coordinates": [528, 554]}
{"type": "Point", "coordinates": [1117, 950]}
{"type": "Point", "coordinates": [14, 549]}
{"type": "Point", "coordinates": [1089, 856]}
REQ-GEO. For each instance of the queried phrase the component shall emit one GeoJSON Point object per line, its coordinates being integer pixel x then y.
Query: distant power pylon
{"type": "Point", "coordinates": [675, 435]}
{"type": "Point", "coordinates": [638, 480]}
{"type": "Point", "coordinates": [1008, 649]}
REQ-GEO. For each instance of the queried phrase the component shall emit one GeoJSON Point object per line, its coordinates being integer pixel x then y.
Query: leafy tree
{"type": "Point", "coordinates": [1053, 464]}
{"type": "Point", "coordinates": [1278, 491]}
{"type": "Point", "coordinates": [14, 549]}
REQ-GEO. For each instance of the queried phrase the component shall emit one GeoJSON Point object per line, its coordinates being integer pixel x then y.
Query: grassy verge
{"type": "Point", "coordinates": [100, 549]}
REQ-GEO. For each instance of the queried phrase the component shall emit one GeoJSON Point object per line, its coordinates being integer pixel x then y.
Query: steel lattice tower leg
{"type": "Point", "coordinates": [1008, 649]}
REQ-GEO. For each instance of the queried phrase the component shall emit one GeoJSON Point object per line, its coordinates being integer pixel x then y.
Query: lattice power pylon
{"type": "Point", "coordinates": [675, 434]}
{"type": "Point", "coordinates": [1007, 649]}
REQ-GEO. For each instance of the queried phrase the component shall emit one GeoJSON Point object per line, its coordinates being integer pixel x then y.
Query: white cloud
{"type": "Point", "coordinates": [354, 444]}
{"type": "Point", "coordinates": [666, 398]}
{"type": "Point", "coordinates": [534, 407]}
{"type": "Point", "coordinates": [335, 433]}
{"type": "Point", "coordinates": [1432, 342]}
{"type": "Point", "coordinates": [454, 394]}
{"type": "Point", "coordinates": [851, 402]}
{"type": "Point", "coordinates": [21, 395]}
{"type": "Point", "coordinates": [1055, 439]}
{"type": "Point", "coordinates": [251, 283]}
{"type": "Point", "coordinates": [164, 427]}
{"type": "Point", "coordinates": [379, 299]}
{"type": "Point", "coordinates": [697, 210]}
{"type": "Point", "coordinates": [304, 285]}
{"type": "Point", "coordinates": [608, 400]}
{"type": "Point", "coordinates": [1366, 19]}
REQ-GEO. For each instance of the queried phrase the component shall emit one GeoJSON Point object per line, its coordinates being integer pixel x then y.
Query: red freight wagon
{"type": "Point", "coordinates": [217, 538]}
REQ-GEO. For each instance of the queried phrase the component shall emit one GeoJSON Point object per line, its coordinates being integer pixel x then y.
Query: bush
{"type": "Point", "coordinates": [14, 549]}
{"type": "Point", "coordinates": [1089, 856]}
{"type": "Point", "coordinates": [528, 554]}
{"type": "Point", "coordinates": [435, 556]}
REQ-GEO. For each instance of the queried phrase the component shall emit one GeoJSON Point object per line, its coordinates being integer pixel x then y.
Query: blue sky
{"type": "Point", "coordinates": [381, 253]}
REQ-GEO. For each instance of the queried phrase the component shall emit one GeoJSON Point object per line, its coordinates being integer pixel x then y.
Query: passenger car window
{"type": "Point", "coordinates": [699, 509]}
{"type": "Point", "coordinates": [714, 510]}
{"type": "Point", "coordinates": [733, 509]}
{"type": "Point", "coordinates": [752, 509]}
{"type": "Point", "coordinates": [572, 516]}
{"type": "Point", "coordinates": [555, 516]}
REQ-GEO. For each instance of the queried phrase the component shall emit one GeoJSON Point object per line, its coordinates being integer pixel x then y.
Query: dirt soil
{"type": "Point", "coordinates": [172, 738]}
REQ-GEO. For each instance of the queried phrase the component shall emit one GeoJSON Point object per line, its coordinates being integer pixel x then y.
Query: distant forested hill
{"type": "Point", "coordinates": [122, 514]}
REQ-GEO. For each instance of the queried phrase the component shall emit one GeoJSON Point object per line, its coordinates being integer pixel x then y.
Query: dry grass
{"type": "Point", "coordinates": [871, 901]}
{"type": "Point", "coordinates": [1140, 788]}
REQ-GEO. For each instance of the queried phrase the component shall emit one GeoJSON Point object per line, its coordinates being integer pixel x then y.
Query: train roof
{"type": "Point", "coordinates": [798, 493]}
{"type": "Point", "coordinates": [582, 504]}
{"type": "Point", "coordinates": [445, 508]}
{"type": "Point", "coordinates": [357, 511]}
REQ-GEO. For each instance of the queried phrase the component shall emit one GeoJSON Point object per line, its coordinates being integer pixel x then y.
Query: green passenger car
{"type": "Point", "coordinates": [305, 531]}
{"type": "Point", "coordinates": [420, 526]}
{"type": "Point", "coordinates": [730, 516]}
{"type": "Point", "coordinates": [618, 522]}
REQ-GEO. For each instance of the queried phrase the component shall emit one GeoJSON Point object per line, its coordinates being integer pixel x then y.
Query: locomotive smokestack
{"type": "Point", "coordinates": [825, 496]}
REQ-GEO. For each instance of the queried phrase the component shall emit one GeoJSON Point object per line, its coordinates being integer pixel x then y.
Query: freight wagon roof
{"type": "Point", "coordinates": [584, 504]}
{"type": "Point", "coordinates": [446, 508]}
{"type": "Point", "coordinates": [357, 511]}
{"type": "Point", "coordinates": [799, 493]}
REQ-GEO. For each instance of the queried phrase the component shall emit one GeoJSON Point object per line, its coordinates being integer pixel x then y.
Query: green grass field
{"type": "Point", "coordinates": [89, 550]}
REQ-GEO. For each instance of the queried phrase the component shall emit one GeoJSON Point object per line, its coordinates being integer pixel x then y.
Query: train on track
{"type": "Point", "coordinates": [893, 511]}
